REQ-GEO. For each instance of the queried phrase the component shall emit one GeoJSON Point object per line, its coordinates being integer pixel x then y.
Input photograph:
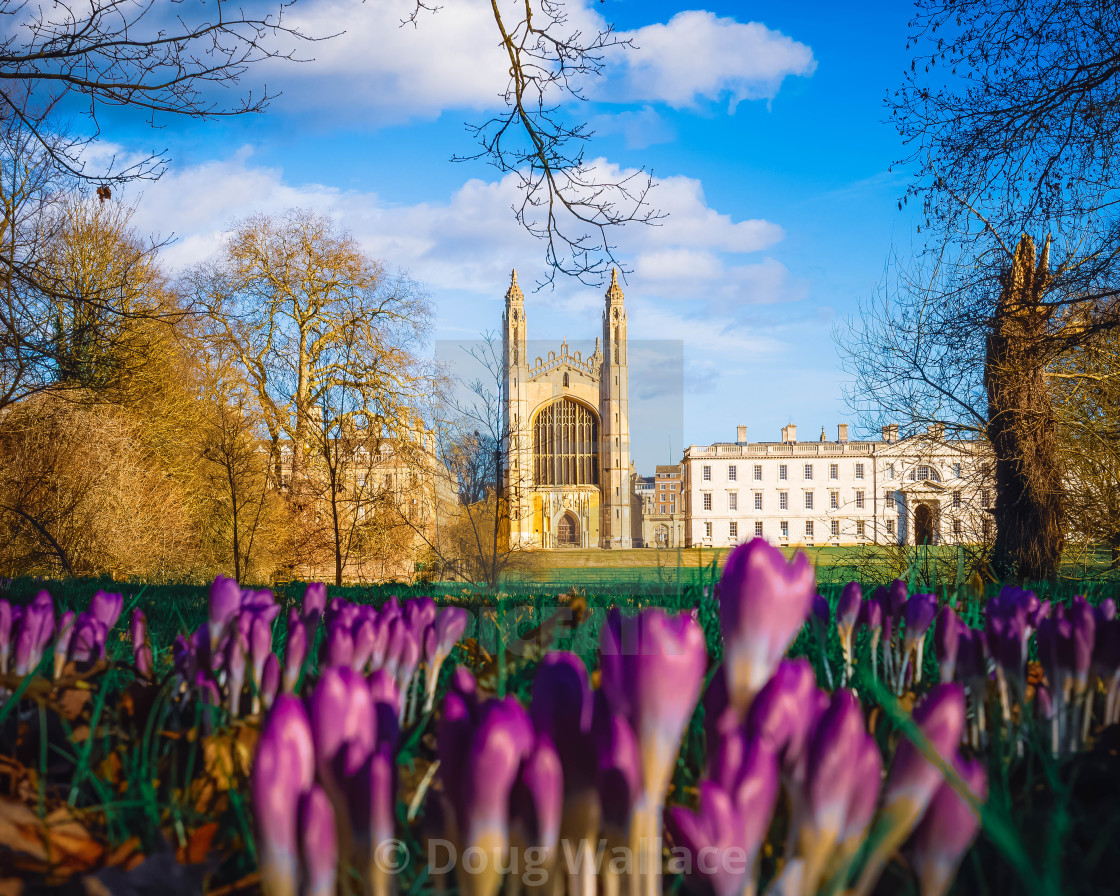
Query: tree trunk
{"type": "Point", "coordinates": [1021, 426]}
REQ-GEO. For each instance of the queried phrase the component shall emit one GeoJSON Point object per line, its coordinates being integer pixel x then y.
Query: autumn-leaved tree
{"type": "Point", "coordinates": [327, 341]}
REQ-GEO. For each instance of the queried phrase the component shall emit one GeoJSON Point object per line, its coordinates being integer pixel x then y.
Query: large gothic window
{"type": "Point", "coordinates": [565, 445]}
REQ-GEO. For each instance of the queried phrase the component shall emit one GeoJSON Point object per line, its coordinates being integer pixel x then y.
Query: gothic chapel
{"type": "Point", "coordinates": [567, 470]}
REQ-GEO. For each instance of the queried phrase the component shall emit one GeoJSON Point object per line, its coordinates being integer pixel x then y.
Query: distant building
{"type": "Point", "coordinates": [924, 489]}
{"type": "Point", "coordinates": [663, 518]}
{"type": "Point", "coordinates": [567, 470]}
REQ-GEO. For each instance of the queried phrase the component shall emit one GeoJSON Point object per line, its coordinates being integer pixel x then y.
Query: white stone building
{"type": "Point", "coordinates": [918, 490]}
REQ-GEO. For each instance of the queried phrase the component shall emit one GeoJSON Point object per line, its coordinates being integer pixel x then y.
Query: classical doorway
{"type": "Point", "coordinates": [567, 531]}
{"type": "Point", "coordinates": [923, 525]}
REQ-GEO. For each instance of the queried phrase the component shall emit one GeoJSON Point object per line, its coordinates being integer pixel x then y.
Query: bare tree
{"type": "Point", "coordinates": [473, 442]}
{"type": "Point", "coordinates": [566, 202]}
{"type": "Point", "coordinates": [1009, 113]}
{"type": "Point", "coordinates": [179, 59]}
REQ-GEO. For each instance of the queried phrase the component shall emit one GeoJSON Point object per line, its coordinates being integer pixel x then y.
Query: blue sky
{"type": "Point", "coordinates": [763, 124]}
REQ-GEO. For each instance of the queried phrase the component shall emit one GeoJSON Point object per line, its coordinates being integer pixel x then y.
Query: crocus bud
{"type": "Point", "coordinates": [562, 708]}
{"type": "Point", "coordinates": [364, 636]}
{"type": "Point", "coordinates": [260, 646]}
{"type": "Point", "coordinates": [225, 600]}
{"type": "Point", "coordinates": [141, 650]}
{"type": "Point", "coordinates": [619, 773]}
{"type": "Point", "coordinates": [372, 797]}
{"type": "Point", "coordinates": [419, 613]}
{"type": "Point", "coordinates": [383, 690]}
{"type": "Point", "coordinates": [314, 603]}
{"type": "Point", "coordinates": [947, 829]}
{"type": "Point", "coordinates": [1084, 626]}
{"type": "Point", "coordinates": [283, 772]}
{"type": "Point", "coordinates": [837, 744]}
{"type": "Point", "coordinates": [708, 837]}
{"type": "Point", "coordinates": [295, 652]}
{"type": "Point", "coordinates": [848, 613]}
{"type": "Point", "coordinates": [235, 669]}
{"type": "Point", "coordinates": [339, 647]}
{"type": "Point", "coordinates": [763, 603]}
{"type": "Point", "coordinates": [913, 779]}
{"type": "Point", "coordinates": [62, 642]}
{"type": "Point", "coordinates": [87, 644]}
{"type": "Point", "coordinates": [921, 610]}
{"type": "Point", "coordinates": [106, 608]}
{"type": "Point", "coordinates": [318, 843]}
{"type": "Point", "coordinates": [270, 681]}
{"type": "Point", "coordinates": [5, 634]}
{"type": "Point", "coordinates": [503, 738]}
{"type": "Point", "coordinates": [946, 642]}
{"type": "Point", "coordinates": [538, 798]}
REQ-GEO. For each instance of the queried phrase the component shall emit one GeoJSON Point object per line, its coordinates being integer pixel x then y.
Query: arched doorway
{"type": "Point", "coordinates": [567, 531]}
{"type": "Point", "coordinates": [923, 525]}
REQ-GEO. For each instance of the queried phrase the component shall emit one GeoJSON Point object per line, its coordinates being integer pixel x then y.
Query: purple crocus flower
{"type": "Point", "coordinates": [383, 690]}
{"type": "Point", "coordinates": [141, 650]}
{"type": "Point", "coordinates": [764, 601]}
{"type": "Point", "coordinates": [283, 771]}
{"type": "Point", "coordinates": [318, 843]}
{"type": "Point", "coordinates": [106, 608]}
{"type": "Point", "coordinates": [439, 638]}
{"type": "Point", "coordinates": [62, 641]}
{"type": "Point", "coordinates": [295, 651]}
{"type": "Point", "coordinates": [653, 667]}
{"type": "Point", "coordinates": [947, 830]}
{"type": "Point", "coordinates": [34, 629]}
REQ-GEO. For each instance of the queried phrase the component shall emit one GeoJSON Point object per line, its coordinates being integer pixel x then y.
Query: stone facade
{"type": "Point", "coordinates": [922, 489]}
{"type": "Point", "coordinates": [566, 419]}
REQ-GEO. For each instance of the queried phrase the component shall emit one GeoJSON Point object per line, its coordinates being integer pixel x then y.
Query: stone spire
{"type": "Point", "coordinates": [514, 293]}
{"type": "Point", "coordinates": [614, 291]}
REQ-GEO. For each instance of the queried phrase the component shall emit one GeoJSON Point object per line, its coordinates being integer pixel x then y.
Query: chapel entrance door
{"type": "Point", "coordinates": [567, 531]}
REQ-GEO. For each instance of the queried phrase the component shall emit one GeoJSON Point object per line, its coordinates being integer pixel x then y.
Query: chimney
{"type": "Point", "coordinates": [741, 435]}
{"type": "Point", "coordinates": [789, 432]}
{"type": "Point", "coordinates": [937, 431]}
{"type": "Point", "coordinates": [890, 432]}
{"type": "Point", "coordinates": [842, 432]}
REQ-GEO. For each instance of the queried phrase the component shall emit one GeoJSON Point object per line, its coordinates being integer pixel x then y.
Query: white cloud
{"type": "Point", "coordinates": [384, 72]}
{"type": "Point", "coordinates": [699, 54]}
